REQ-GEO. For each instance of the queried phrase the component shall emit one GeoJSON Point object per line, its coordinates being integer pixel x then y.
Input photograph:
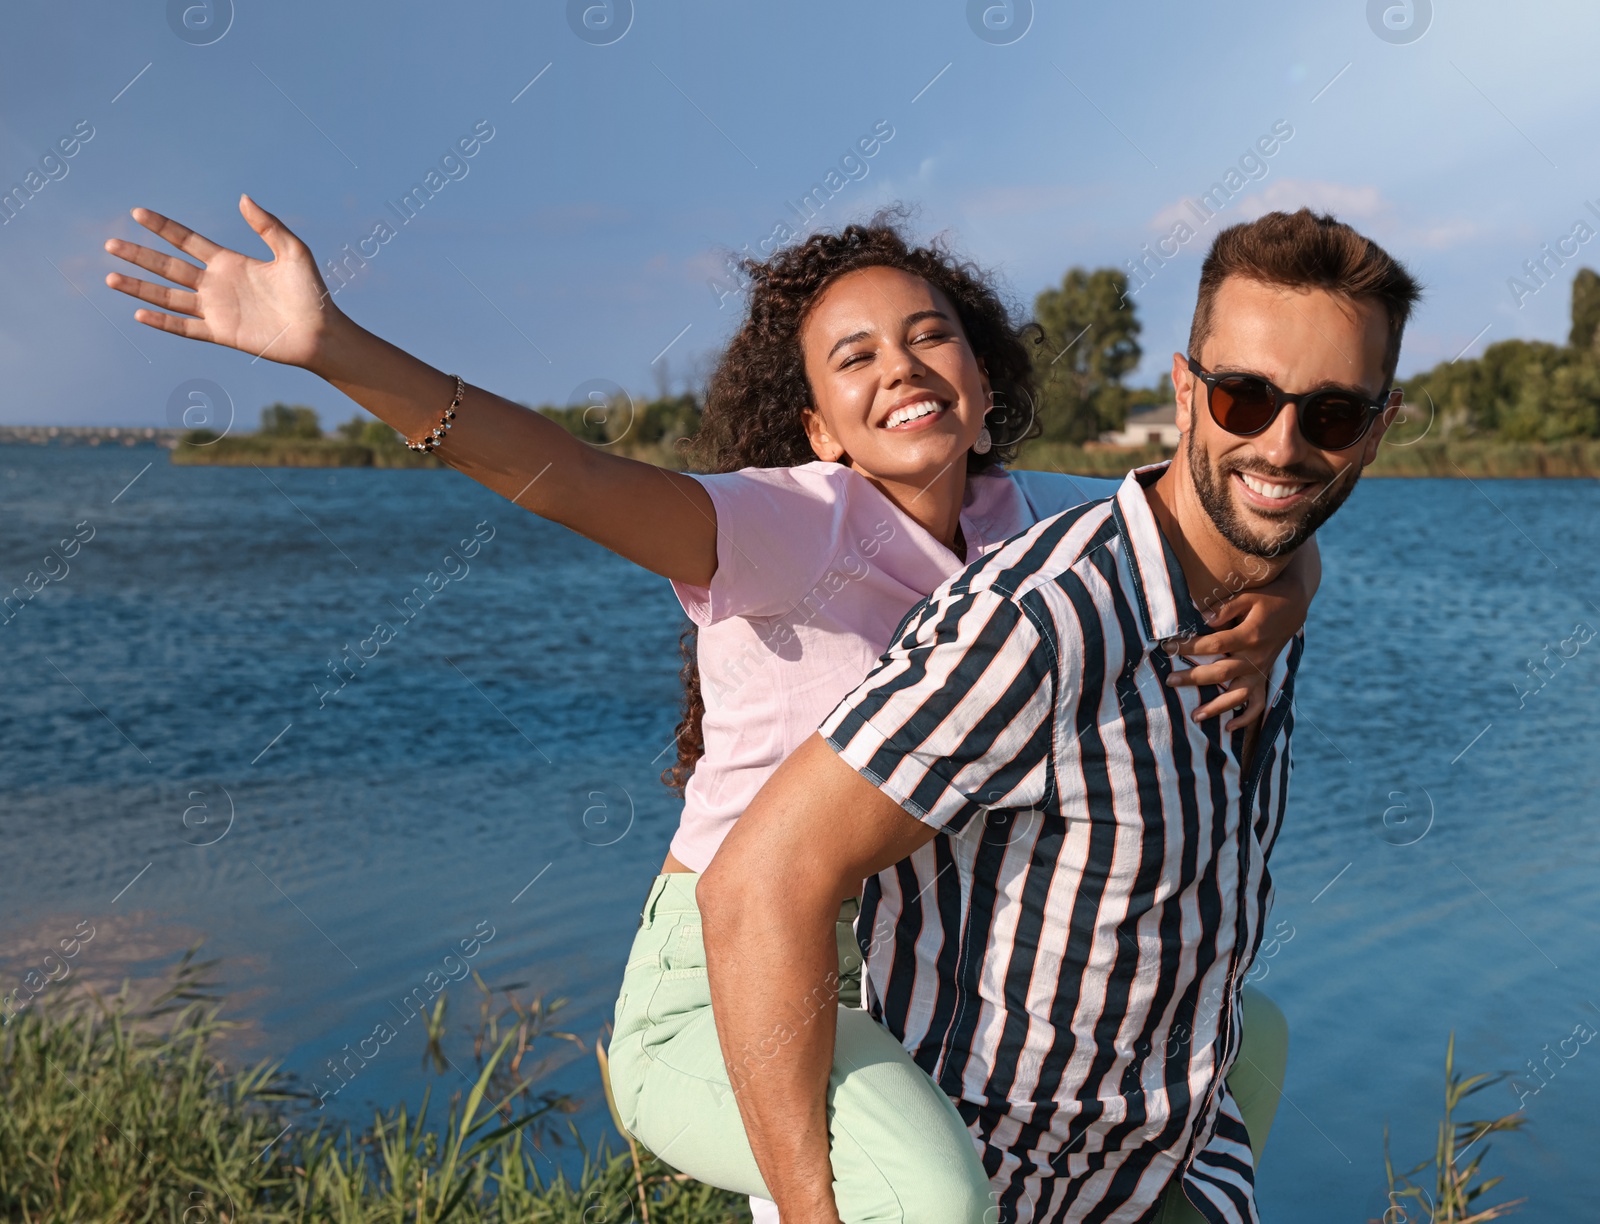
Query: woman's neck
{"type": "Point", "coordinates": [935, 506]}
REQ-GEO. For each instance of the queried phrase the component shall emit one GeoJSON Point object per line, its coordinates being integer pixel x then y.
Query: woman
{"type": "Point", "coordinates": [856, 426]}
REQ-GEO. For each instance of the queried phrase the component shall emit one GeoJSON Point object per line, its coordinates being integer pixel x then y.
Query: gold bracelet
{"type": "Point", "coordinates": [432, 440]}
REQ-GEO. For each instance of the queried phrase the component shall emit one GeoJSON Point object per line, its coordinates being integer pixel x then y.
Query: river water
{"type": "Point", "coordinates": [179, 764]}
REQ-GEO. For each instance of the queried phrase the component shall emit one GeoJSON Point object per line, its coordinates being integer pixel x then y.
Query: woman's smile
{"type": "Point", "coordinates": [919, 411]}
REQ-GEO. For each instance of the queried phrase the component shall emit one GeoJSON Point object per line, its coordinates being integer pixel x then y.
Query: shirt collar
{"type": "Point", "coordinates": [1165, 607]}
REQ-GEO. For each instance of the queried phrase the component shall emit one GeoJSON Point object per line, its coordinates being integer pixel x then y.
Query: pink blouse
{"type": "Point", "coordinates": [815, 569]}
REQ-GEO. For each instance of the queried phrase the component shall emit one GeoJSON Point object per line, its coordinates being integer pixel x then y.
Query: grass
{"type": "Point", "coordinates": [1453, 1197]}
{"type": "Point", "coordinates": [1489, 458]}
{"type": "Point", "coordinates": [112, 1113]}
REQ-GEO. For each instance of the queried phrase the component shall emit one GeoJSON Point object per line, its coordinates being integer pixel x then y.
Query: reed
{"type": "Point", "coordinates": [114, 1112]}
{"type": "Point", "coordinates": [1457, 1187]}
{"type": "Point", "coordinates": [111, 1112]}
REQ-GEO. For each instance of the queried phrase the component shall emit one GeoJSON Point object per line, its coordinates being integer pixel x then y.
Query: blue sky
{"type": "Point", "coordinates": [584, 236]}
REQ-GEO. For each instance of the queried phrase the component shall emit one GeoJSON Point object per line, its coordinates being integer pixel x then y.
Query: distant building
{"type": "Point", "coordinates": [1148, 425]}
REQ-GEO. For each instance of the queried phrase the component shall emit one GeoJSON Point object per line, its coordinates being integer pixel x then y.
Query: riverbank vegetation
{"type": "Point", "coordinates": [1457, 1186]}
{"type": "Point", "coordinates": [1474, 458]}
{"type": "Point", "coordinates": [1525, 408]}
{"type": "Point", "coordinates": [291, 436]}
{"type": "Point", "coordinates": [115, 1111]}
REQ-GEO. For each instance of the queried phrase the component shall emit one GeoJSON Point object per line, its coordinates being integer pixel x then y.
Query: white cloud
{"type": "Point", "coordinates": [1443, 235]}
{"type": "Point", "coordinates": [1345, 202]}
{"type": "Point", "coordinates": [1363, 206]}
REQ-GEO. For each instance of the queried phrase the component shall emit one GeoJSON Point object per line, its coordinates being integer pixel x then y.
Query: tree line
{"type": "Point", "coordinates": [1517, 391]}
{"type": "Point", "coordinates": [1523, 390]}
{"type": "Point", "coordinates": [1087, 343]}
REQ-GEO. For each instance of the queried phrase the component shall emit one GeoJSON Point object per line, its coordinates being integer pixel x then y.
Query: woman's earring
{"type": "Point", "coordinates": [984, 442]}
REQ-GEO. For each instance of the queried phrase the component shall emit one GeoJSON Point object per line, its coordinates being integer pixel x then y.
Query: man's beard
{"type": "Point", "coordinates": [1292, 529]}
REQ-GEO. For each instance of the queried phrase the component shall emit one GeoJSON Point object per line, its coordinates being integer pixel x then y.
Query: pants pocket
{"type": "Point", "coordinates": [680, 988]}
{"type": "Point", "coordinates": [849, 965]}
{"type": "Point", "coordinates": [684, 954]}
{"type": "Point", "coordinates": [640, 978]}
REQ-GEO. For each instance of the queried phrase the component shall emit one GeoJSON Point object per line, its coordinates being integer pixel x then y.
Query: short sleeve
{"type": "Point", "coordinates": [958, 715]}
{"type": "Point", "coordinates": [778, 529]}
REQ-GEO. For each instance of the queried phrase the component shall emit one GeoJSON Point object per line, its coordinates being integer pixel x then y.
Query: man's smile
{"type": "Point", "coordinates": [1274, 494]}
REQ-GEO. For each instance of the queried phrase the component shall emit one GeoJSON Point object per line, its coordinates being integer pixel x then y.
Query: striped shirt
{"type": "Point", "coordinates": [1065, 957]}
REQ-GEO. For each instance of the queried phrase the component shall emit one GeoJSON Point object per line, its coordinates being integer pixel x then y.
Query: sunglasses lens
{"type": "Point", "coordinates": [1242, 405]}
{"type": "Point", "coordinates": [1333, 421]}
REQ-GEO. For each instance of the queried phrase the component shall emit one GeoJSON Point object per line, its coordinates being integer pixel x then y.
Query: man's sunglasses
{"type": "Point", "coordinates": [1245, 404]}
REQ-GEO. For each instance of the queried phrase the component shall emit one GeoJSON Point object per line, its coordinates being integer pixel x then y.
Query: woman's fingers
{"type": "Point", "coordinates": [169, 267]}
{"type": "Point", "coordinates": [1246, 691]}
{"type": "Point", "coordinates": [1223, 671]}
{"type": "Point", "coordinates": [194, 329]}
{"type": "Point", "coordinates": [278, 236]}
{"type": "Point", "coordinates": [1246, 635]}
{"type": "Point", "coordinates": [180, 236]}
{"type": "Point", "coordinates": [164, 296]}
{"type": "Point", "coordinates": [1251, 710]}
{"type": "Point", "coordinates": [1232, 699]}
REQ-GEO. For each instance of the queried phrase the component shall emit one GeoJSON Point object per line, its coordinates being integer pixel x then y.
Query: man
{"type": "Point", "coordinates": [1066, 874]}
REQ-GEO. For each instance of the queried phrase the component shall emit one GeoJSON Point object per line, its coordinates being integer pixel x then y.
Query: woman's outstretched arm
{"type": "Point", "coordinates": [280, 309]}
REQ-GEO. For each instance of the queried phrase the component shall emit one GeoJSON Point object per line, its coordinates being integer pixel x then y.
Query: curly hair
{"type": "Point", "coordinates": [752, 415]}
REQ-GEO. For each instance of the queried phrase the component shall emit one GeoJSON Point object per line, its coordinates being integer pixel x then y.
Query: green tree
{"type": "Point", "coordinates": [1161, 394]}
{"type": "Point", "coordinates": [290, 421]}
{"type": "Point", "coordinates": [667, 419]}
{"type": "Point", "coordinates": [1574, 406]}
{"type": "Point", "coordinates": [364, 431]}
{"type": "Point", "coordinates": [1090, 344]}
{"type": "Point", "coordinates": [1519, 390]}
{"type": "Point", "coordinates": [379, 434]}
{"type": "Point", "coordinates": [625, 419]}
{"type": "Point", "coordinates": [1585, 309]}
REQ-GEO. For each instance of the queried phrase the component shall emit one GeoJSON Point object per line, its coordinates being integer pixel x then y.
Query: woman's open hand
{"type": "Point", "coordinates": [278, 309]}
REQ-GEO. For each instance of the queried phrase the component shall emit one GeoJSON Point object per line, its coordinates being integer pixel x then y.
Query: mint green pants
{"type": "Point", "coordinates": [901, 1153]}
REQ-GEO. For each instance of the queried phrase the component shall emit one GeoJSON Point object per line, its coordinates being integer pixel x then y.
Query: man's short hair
{"type": "Point", "coordinates": [1307, 250]}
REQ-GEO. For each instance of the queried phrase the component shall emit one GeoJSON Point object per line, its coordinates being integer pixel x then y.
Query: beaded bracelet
{"type": "Point", "coordinates": [433, 439]}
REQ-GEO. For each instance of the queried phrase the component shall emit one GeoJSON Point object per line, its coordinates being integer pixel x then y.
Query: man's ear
{"type": "Point", "coordinates": [823, 444]}
{"type": "Point", "coordinates": [1183, 381]}
{"type": "Point", "coordinates": [1374, 438]}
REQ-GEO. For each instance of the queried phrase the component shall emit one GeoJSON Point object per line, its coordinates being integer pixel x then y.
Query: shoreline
{"type": "Point", "coordinates": [1474, 459]}
{"type": "Point", "coordinates": [1466, 459]}
{"type": "Point", "coordinates": [255, 450]}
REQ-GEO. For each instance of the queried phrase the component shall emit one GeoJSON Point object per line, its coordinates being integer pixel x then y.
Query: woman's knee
{"type": "Point", "coordinates": [1266, 1032]}
{"type": "Point", "coordinates": [1256, 1080]}
{"type": "Point", "coordinates": [956, 1193]}
{"type": "Point", "coordinates": [901, 1152]}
